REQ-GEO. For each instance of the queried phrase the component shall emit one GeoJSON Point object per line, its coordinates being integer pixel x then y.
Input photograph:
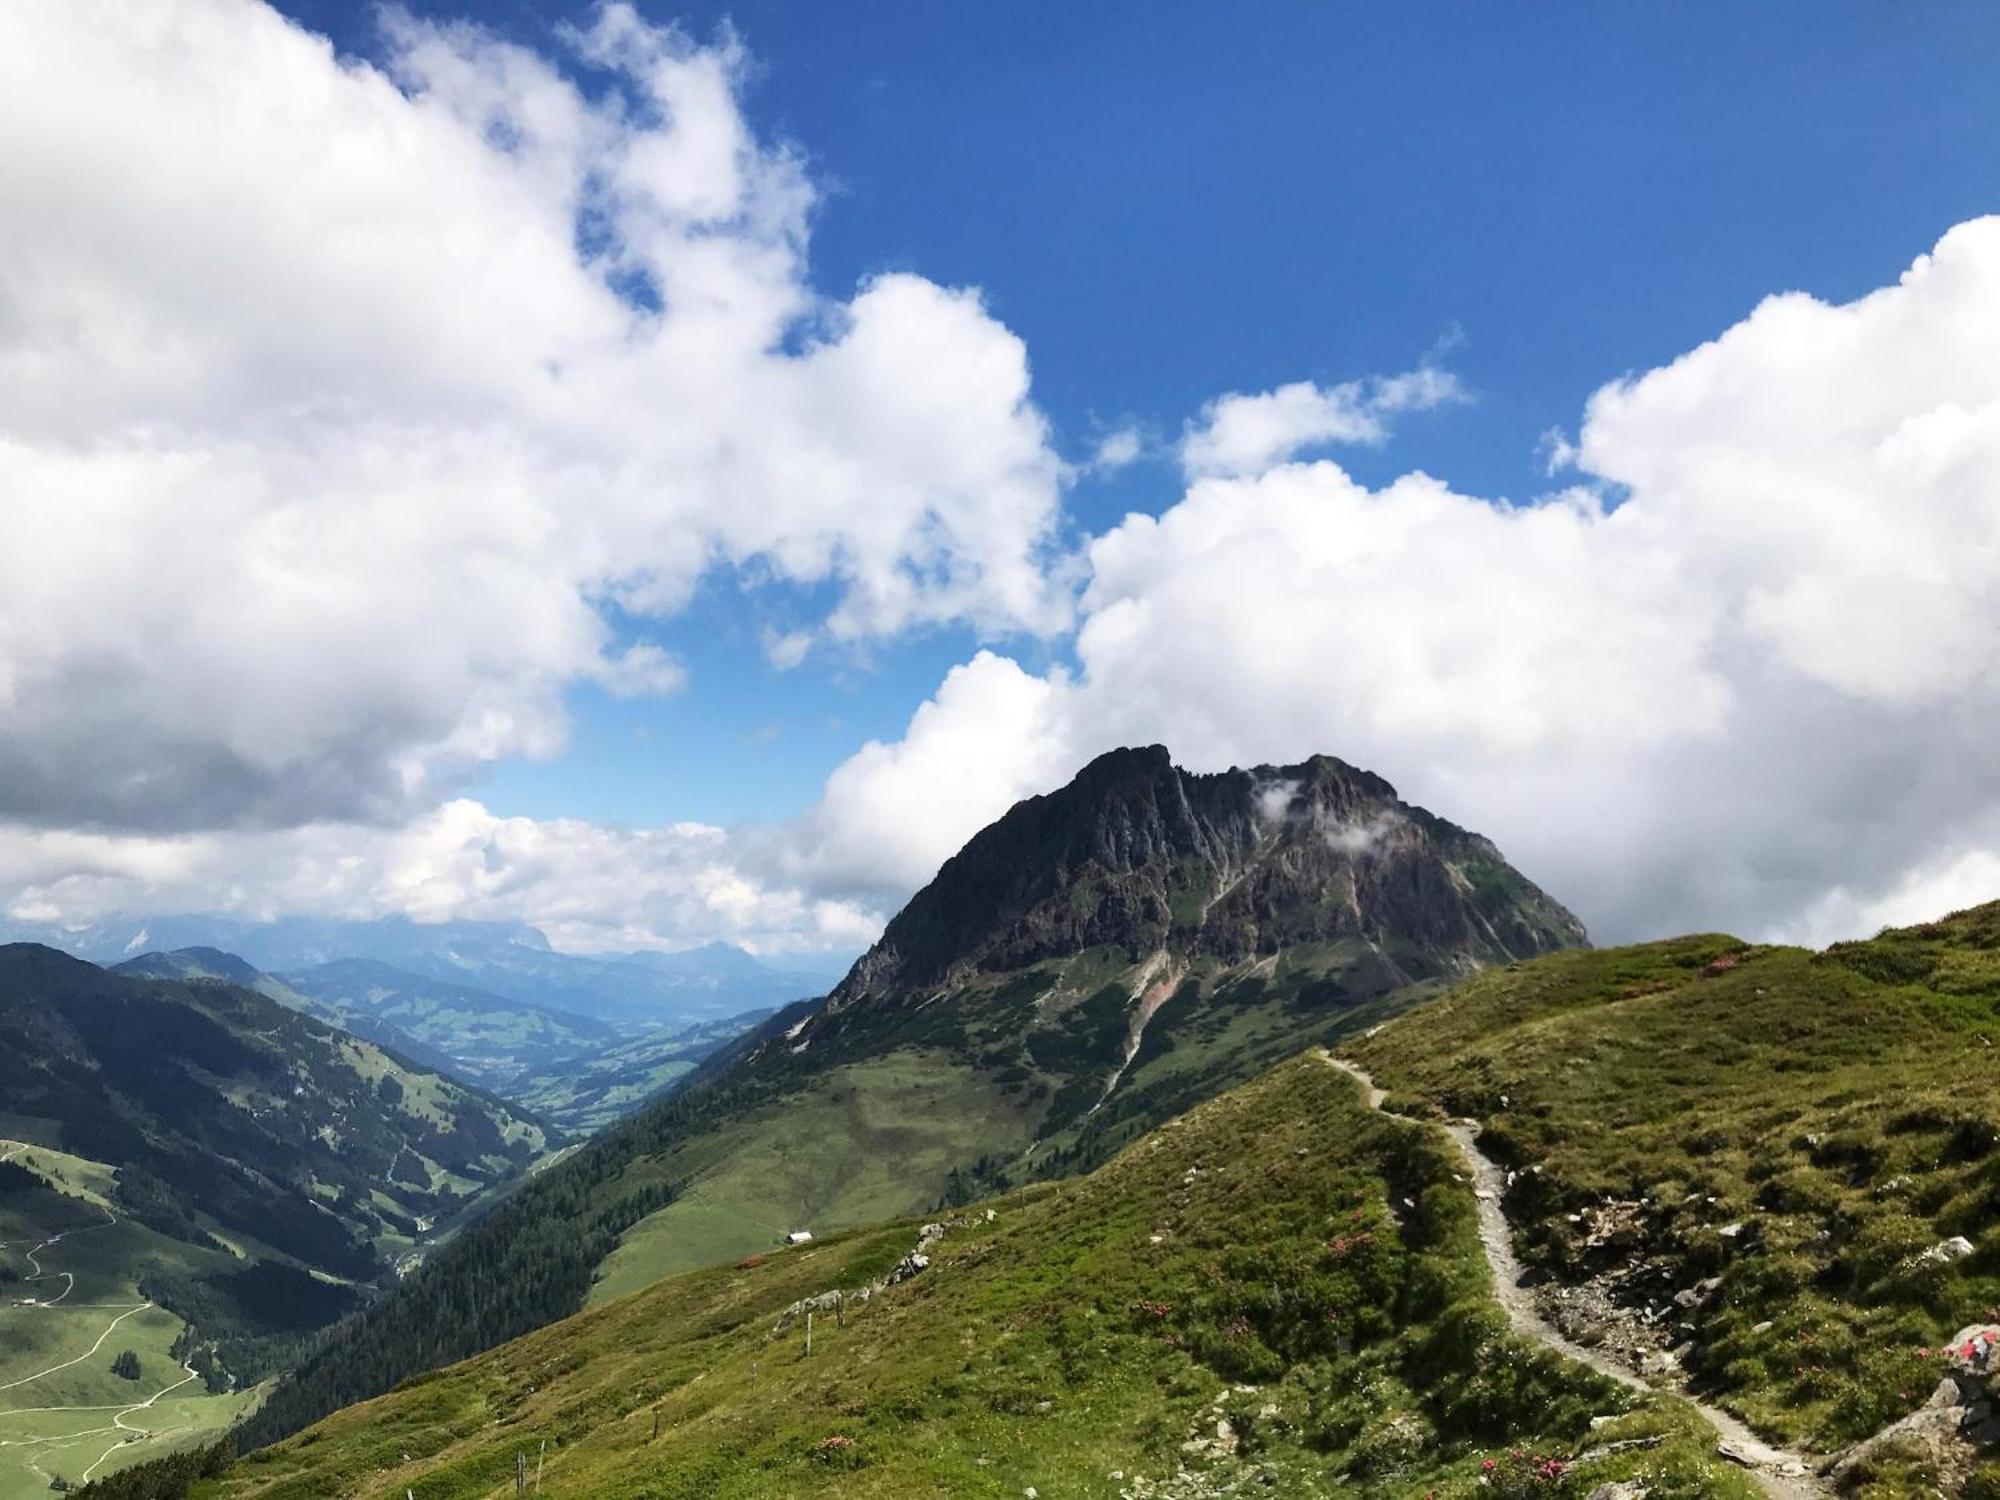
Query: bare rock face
{"type": "Point", "coordinates": [1137, 854]}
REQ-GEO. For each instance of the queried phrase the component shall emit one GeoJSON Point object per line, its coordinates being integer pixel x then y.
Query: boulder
{"type": "Point", "coordinates": [1945, 1252]}
{"type": "Point", "coordinates": [910, 1265]}
{"type": "Point", "coordinates": [1975, 1350]}
{"type": "Point", "coordinates": [1937, 1435]}
{"type": "Point", "coordinates": [1952, 1428]}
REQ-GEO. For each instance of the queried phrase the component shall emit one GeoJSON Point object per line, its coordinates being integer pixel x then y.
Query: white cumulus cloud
{"type": "Point", "coordinates": [1120, 448]}
{"type": "Point", "coordinates": [342, 406]}
{"type": "Point", "coordinates": [1746, 675]}
{"type": "Point", "coordinates": [1247, 434]}
{"type": "Point", "coordinates": [337, 402]}
{"type": "Point", "coordinates": [587, 886]}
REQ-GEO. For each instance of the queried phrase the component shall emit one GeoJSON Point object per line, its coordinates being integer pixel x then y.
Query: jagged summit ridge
{"type": "Point", "coordinates": [1139, 854]}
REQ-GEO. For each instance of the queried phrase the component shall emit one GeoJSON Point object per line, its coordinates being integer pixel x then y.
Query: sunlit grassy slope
{"type": "Point", "coordinates": [1279, 1261]}
{"type": "Point", "coordinates": [62, 1410]}
{"type": "Point", "coordinates": [870, 1141]}
{"type": "Point", "coordinates": [883, 1135]}
{"type": "Point", "coordinates": [1804, 1126]}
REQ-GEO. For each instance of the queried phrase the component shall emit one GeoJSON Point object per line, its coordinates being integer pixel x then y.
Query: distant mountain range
{"type": "Point", "coordinates": [630, 992]}
{"type": "Point", "coordinates": [1093, 963]}
{"type": "Point", "coordinates": [574, 1072]}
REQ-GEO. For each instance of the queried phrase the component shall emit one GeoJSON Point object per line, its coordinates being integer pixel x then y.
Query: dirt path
{"type": "Point", "coordinates": [139, 1433]}
{"type": "Point", "coordinates": [69, 1279]}
{"type": "Point", "coordinates": [1782, 1474]}
{"type": "Point", "coordinates": [126, 1435]}
{"type": "Point", "coordinates": [66, 1364]}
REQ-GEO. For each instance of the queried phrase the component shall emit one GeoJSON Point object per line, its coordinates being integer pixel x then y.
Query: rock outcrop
{"type": "Point", "coordinates": [1137, 854]}
{"type": "Point", "coordinates": [1951, 1431]}
{"type": "Point", "coordinates": [914, 1264]}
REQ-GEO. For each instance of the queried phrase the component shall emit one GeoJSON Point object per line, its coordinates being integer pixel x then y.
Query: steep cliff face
{"type": "Point", "coordinates": [1139, 856]}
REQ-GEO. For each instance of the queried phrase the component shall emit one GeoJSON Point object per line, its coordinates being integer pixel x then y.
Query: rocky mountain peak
{"type": "Point", "coordinates": [1137, 854]}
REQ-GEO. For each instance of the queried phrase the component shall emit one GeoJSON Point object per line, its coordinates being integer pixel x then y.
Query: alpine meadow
{"type": "Point", "coordinates": [1141, 751]}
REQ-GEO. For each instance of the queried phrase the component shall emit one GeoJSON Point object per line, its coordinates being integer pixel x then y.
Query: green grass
{"type": "Point", "coordinates": [48, 1426]}
{"type": "Point", "coordinates": [1840, 1108]}
{"type": "Point", "coordinates": [1224, 1025]}
{"type": "Point", "coordinates": [871, 1141]}
{"type": "Point", "coordinates": [37, 1444]}
{"type": "Point", "coordinates": [879, 1138]}
{"type": "Point", "coordinates": [890, 1111]}
{"type": "Point", "coordinates": [587, 1093]}
{"type": "Point", "coordinates": [587, 1101]}
{"type": "Point", "coordinates": [1280, 1258]}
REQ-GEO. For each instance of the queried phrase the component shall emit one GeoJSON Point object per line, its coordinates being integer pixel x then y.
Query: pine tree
{"type": "Point", "coordinates": [126, 1365]}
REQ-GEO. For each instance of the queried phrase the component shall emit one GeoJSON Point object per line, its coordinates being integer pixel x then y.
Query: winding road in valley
{"type": "Point", "coordinates": [188, 1373]}
{"type": "Point", "coordinates": [110, 1328]}
{"type": "Point", "coordinates": [69, 1278]}
{"type": "Point", "coordinates": [125, 1434]}
{"type": "Point", "coordinates": [1783, 1475]}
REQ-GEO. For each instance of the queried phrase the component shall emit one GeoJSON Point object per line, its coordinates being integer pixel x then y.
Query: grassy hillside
{"type": "Point", "coordinates": [58, 1393]}
{"type": "Point", "coordinates": [225, 1112]}
{"type": "Point", "coordinates": [873, 1140]}
{"type": "Point", "coordinates": [1809, 1144]}
{"type": "Point", "coordinates": [977, 1096]}
{"type": "Point", "coordinates": [281, 1170]}
{"type": "Point", "coordinates": [214, 964]}
{"type": "Point", "coordinates": [1281, 1293]}
{"type": "Point", "coordinates": [572, 1072]}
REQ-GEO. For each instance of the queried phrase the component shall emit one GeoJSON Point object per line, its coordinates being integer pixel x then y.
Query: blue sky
{"type": "Point", "coordinates": [1169, 202]}
{"type": "Point", "coordinates": [376, 554]}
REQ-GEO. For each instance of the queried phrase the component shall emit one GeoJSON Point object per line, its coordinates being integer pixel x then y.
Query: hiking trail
{"type": "Point", "coordinates": [1782, 1474]}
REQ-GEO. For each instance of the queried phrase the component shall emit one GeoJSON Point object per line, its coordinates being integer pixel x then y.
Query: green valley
{"type": "Point", "coordinates": [487, 1039]}
{"type": "Point", "coordinates": [73, 1299]}
{"type": "Point", "coordinates": [591, 1090]}
{"type": "Point", "coordinates": [200, 1177]}
{"type": "Point", "coordinates": [568, 1070]}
